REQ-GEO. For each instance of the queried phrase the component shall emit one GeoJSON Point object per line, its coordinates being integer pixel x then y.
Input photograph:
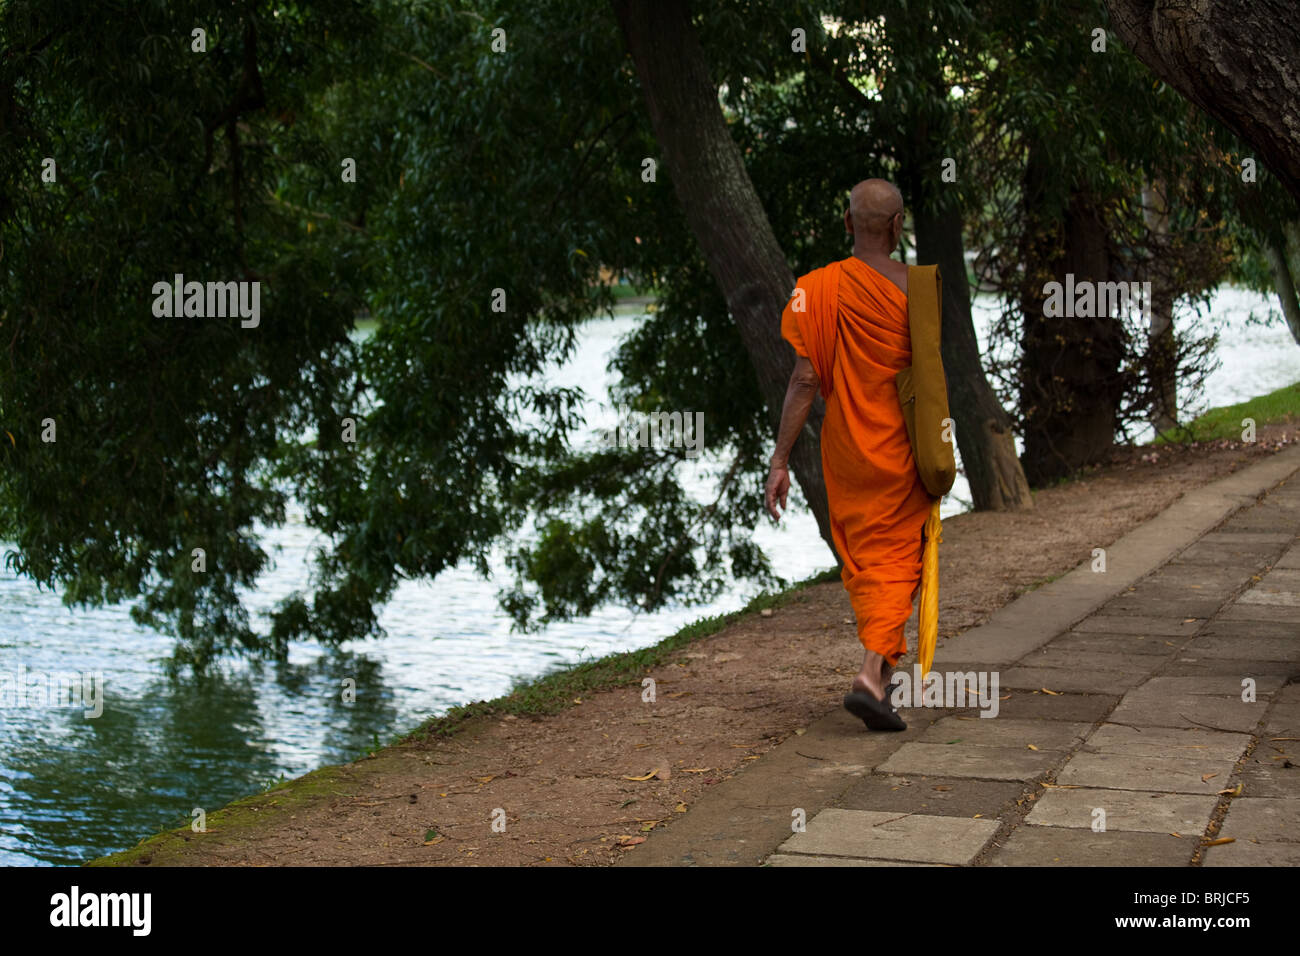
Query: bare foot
{"type": "Point", "coordinates": [873, 676]}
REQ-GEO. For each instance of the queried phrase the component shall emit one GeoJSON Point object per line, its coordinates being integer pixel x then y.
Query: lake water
{"type": "Point", "coordinates": [72, 788]}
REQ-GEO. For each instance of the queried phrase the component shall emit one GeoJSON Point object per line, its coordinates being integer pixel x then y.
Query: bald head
{"type": "Point", "coordinates": [873, 204]}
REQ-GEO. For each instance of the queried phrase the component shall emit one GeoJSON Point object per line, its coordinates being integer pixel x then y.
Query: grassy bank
{"type": "Point", "coordinates": [1280, 407]}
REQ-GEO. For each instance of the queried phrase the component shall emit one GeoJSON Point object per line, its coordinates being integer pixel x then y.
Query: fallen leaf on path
{"type": "Point", "coordinates": [646, 777]}
{"type": "Point", "coordinates": [1052, 692]}
{"type": "Point", "coordinates": [680, 808]}
{"type": "Point", "coordinates": [1179, 835]}
{"type": "Point", "coordinates": [941, 787]}
{"type": "Point", "coordinates": [1031, 746]}
{"type": "Point", "coordinates": [1208, 776]}
{"type": "Point", "coordinates": [1221, 840]}
{"type": "Point", "coordinates": [627, 841]}
{"type": "Point", "coordinates": [1235, 791]}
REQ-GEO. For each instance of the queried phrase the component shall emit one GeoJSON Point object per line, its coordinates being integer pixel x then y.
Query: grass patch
{"type": "Point", "coordinates": [554, 692]}
{"type": "Point", "coordinates": [1278, 407]}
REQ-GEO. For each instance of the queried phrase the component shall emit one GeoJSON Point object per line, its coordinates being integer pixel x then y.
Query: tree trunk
{"type": "Point", "coordinates": [984, 438]}
{"type": "Point", "coordinates": [1164, 410]}
{"type": "Point", "coordinates": [723, 211]}
{"type": "Point", "coordinates": [1284, 283]}
{"type": "Point", "coordinates": [1240, 62]}
{"type": "Point", "coordinates": [1070, 366]}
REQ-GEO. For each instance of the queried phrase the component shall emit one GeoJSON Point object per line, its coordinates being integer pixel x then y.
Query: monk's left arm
{"type": "Point", "coordinates": [799, 397]}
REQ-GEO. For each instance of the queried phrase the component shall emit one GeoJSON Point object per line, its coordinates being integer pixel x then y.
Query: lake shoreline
{"type": "Point", "coordinates": [569, 768]}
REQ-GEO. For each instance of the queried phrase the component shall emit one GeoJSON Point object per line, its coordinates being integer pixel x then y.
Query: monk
{"type": "Point", "coordinates": [849, 328]}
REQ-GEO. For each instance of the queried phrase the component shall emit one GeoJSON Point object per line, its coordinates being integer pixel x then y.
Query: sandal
{"type": "Point", "coordinates": [876, 714]}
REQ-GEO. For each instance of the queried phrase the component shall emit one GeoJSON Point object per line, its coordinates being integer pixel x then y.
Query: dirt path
{"type": "Point", "coordinates": [564, 784]}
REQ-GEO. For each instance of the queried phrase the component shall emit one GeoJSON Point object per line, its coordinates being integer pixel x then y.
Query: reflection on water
{"type": "Point", "coordinates": [73, 788]}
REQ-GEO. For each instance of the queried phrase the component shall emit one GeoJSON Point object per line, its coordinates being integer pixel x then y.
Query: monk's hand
{"type": "Point", "coordinates": [778, 486]}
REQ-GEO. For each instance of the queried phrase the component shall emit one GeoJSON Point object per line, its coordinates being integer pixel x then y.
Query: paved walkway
{"type": "Point", "coordinates": [1143, 711]}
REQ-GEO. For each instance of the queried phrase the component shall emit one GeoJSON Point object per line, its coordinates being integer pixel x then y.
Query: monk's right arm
{"type": "Point", "coordinates": [799, 397]}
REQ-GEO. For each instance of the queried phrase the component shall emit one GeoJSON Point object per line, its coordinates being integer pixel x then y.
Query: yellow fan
{"type": "Point", "coordinates": [928, 618]}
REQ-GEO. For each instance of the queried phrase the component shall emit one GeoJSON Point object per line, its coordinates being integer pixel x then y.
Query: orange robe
{"type": "Point", "coordinates": [853, 328]}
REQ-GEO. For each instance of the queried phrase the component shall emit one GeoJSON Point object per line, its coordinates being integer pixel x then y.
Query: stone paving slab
{"type": "Point", "coordinates": [1164, 604]}
{"type": "Point", "coordinates": [1224, 686]}
{"type": "Point", "coordinates": [1221, 628]}
{"type": "Point", "coordinates": [1198, 577]}
{"type": "Point", "coordinates": [946, 796]}
{"type": "Point", "coordinates": [1249, 611]}
{"type": "Point", "coordinates": [1265, 819]}
{"type": "Point", "coordinates": [1288, 696]}
{"type": "Point", "coordinates": [1061, 846]}
{"type": "Point", "coordinates": [1261, 518]}
{"type": "Point", "coordinates": [1245, 853]}
{"type": "Point", "coordinates": [1074, 658]}
{"type": "Point", "coordinates": [1190, 710]}
{"type": "Point", "coordinates": [987, 763]}
{"type": "Point", "coordinates": [1289, 560]}
{"type": "Point", "coordinates": [1262, 594]}
{"type": "Point", "coordinates": [1146, 773]}
{"type": "Point", "coordinates": [1250, 540]}
{"type": "Point", "coordinates": [1062, 680]}
{"type": "Point", "coordinates": [1283, 720]}
{"type": "Point", "coordinates": [1257, 648]}
{"type": "Point", "coordinates": [782, 859]}
{"type": "Point", "coordinates": [1286, 578]}
{"type": "Point", "coordinates": [1088, 708]}
{"type": "Point", "coordinates": [875, 835]}
{"type": "Point", "coordinates": [1272, 770]}
{"type": "Point", "coordinates": [1186, 814]}
{"type": "Point", "coordinates": [1256, 551]}
{"type": "Point", "coordinates": [1131, 646]}
{"type": "Point", "coordinates": [1167, 741]}
{"type": "Point", "coordinates": [1006, 732]}
{"type": "Point", "coordinates": [1106, 623]}
{"type": "Point", "coordinates": [1234, 666]}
